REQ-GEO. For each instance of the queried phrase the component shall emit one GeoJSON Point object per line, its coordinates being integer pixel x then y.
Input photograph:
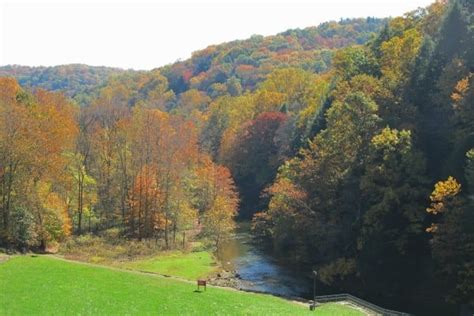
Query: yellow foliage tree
{"type": "Point", "coordinates": [441, 197]}
{"type": "Point", "coordinates": [443, 192]}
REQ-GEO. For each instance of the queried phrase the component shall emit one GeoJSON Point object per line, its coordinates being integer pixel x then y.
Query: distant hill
{"type": "Point", "coordinates": [217, 68]}
{"type": "Point", "coordinates": [75, 80]}
{"type": "Point", "coordinates": [249, 61]}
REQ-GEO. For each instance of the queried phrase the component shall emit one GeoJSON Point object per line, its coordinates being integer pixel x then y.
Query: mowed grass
{"type": "Point", "coordinates": [191, 265]}
{"type": "Point", "coordinates": [49, 286]}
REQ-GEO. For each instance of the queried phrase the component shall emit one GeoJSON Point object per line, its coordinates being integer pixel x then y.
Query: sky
{"type": "Point", "coordinates": [149, 34]}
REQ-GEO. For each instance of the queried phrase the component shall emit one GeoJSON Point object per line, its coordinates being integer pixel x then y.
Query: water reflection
{"type": "Point", "coordinates": [258, 270]}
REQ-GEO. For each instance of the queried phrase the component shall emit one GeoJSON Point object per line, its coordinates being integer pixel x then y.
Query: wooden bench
{"type": "Point", "coordinates": [201, 283]}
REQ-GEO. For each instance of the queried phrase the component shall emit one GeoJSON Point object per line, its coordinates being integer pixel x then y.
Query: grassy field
{"type": "Point", "coordinates": [45, 285]}
{"type": "Point", "coordinates": [146, 255]}
{"type": "Point", "coordinates": [191, 265]}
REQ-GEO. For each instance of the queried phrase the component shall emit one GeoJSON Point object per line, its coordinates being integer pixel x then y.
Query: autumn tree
{"type": "Point", "coordinates": [225, 117]}
{"type": "Point", "coordinates": [453, 239]}
{"type": "Point", "coordinates": [168, 147]}
{"type": "Point", "coordinates": [254, 158]}
{"type": "Point", "coordinates": [218, 221]}
{"type": "Point", "coordinates": [192, 104]}
{"type": "Point", "coordinates": [220, 202]}
{"type": "Point", "coordinates": [317, 176]}
{"type": "Point", "coordinates": [355, 61]}
{"type": "Point", "coordinates": [82, 193]}
{"type": "Point", "coordinates": [107, 149]}
{"type": "Point", "coordinates": [36, 132]}
{"type": "Point", "coordinates": [299, 87]}
{"type": "Point", "coordinates": [391, 219]}
{"type": "Point", "coordinates": [287, 214]}
{"type": "Point", "coordinates": [146, 218]}
{"type": "Point", "coordinates": [14, 147]}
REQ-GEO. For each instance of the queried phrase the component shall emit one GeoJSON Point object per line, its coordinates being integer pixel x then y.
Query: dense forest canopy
{"type": "Point", "coordinates": [221, 69]}
{"type": "Point", "coordinates": [77, 81]}
{"type": "Point", "coordinates": [350, 146]}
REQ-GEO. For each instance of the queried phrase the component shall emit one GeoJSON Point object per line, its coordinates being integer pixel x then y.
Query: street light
{"type": "Point", "coordinates": [313, 306]}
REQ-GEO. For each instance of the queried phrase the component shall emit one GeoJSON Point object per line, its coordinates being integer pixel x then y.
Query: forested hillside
{"type": "Point", "coordinates": [77, 81]}
{"type": "Point", "coordinates": [350, 146]}
{"type": "Point", "coordinates": [230, 67]}
{"type": "Point", "coordinates": [380, 200]}
{"type": "Point", "coordinates": [223, 87]}
{"type": "Point", "coordinates": [218, 68]}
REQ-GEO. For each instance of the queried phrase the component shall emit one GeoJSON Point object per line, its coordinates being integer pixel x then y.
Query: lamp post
{"type": "Point", "coordinates": [313, 306]}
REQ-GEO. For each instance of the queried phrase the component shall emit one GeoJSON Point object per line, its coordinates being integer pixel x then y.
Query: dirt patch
{"type": "Point", "coordinates": [226, 279]}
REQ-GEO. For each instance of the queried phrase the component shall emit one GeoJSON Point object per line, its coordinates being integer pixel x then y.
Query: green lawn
{"type": "Point", "coordinates": [45, 285]}
{"type": "Point", "coordinates": [192, 265]}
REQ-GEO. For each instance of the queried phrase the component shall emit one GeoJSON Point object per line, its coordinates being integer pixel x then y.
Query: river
{"type": "Point", "coordinates": [259, 270]}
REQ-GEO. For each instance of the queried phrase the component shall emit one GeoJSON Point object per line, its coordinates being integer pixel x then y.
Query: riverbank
{"type": "Point", "coordinates": [247, 266]}
{"type": "Point", "coordinates": [80, 288]}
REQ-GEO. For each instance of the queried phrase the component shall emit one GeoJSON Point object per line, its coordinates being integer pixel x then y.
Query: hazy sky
{"type": "Point", "coordinates": [148, 34]}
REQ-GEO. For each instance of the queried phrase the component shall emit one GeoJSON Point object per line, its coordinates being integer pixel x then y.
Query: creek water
{"type": "Point", "coordinates": [259, 270]}
{"type": "Point", "coordinates": [262, 271]}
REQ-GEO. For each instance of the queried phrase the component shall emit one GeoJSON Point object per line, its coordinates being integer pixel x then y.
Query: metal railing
{"type": "Point", "coordinates": [357, 301]}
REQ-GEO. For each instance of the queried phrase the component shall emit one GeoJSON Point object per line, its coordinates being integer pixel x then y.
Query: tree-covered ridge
{"type": "Point", "coordinates": [76, 81]}
{"type": "Point", "coordinates": [218, 68]}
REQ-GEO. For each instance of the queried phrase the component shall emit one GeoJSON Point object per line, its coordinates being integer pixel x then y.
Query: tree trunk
{"type": "Point", "coordinates": [184, 238]}
{"type": "Point", "coordinates": [79, 222]}
{"type": "Point", "coordinates": [166, 232]}
{"type": "Point", "coordinates": [80, 201]}
{"type": "Point", "coordinates": [174, 233]}
{"type": "Point", "coordinates": [90, 215]}
{"type": "Point", "coordinates": [217, 242]}
{"type": "Point", "coordinates": [42, 246]}
{"type": "Point", "coordinates": [6, 203]}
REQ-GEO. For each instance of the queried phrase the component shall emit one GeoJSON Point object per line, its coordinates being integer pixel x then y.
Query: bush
{"type": "Point", "coordinates": [112, 234]}
{"type": "Point", "coordinates": [23, 233]}
{"type": "Point", "coordinates": [108, 248]}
